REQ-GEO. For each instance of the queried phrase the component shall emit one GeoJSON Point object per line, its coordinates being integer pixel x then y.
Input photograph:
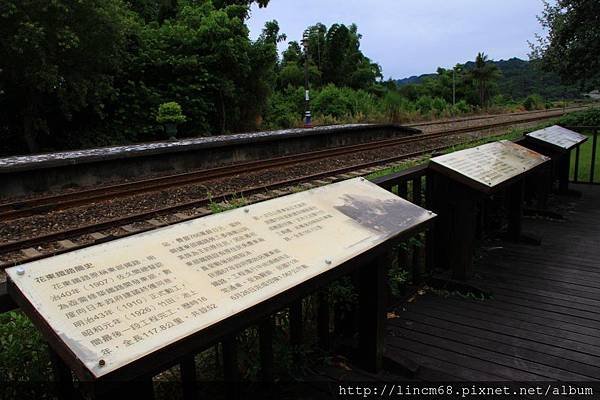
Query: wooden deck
{"type": "Point", "coordinates": [542, 322]}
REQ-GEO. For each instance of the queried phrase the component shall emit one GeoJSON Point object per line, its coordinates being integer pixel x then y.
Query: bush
{"type": "Point", "coordinates": [424, 105]}
{"type": "Point", "coordinates": [343, 102]}
{"type": "Point", "coordinates": [364, 104]}
{"type": "Point", "coordinates": [397, 279]}
{"type": "Point", "coordinates": [332, 101]}
{"type": "Point", "coordinates": [397, 108]}
{"type": "Point", "coordinates": [534, 102]}
{"type": "Point", "coordinates": [589, 117]}
{"type": "Point", "coordinates": [170, 113]}
{"type": "Point", "coordinates": [291, 75]}
{"type": "Point", "coordinates": [23, 355]}
{"type": "Point", "coordinates": [462, 107]}
{"type": "Point", "coordinates": [285, 109]}
{"type": "Point", "coordinates": [25, 368]}
{"type": "Point", "coordinates": [439, 106]}
{"type": "Point", "coordinates": [499, 100]}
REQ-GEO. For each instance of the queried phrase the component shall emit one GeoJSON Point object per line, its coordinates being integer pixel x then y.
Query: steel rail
{"type": "Point", "coordinates": [24, 208]}
{"type": "Point", "coordinates": [200, 203]}
{"type": "Point", "coordinates": [490, 116]}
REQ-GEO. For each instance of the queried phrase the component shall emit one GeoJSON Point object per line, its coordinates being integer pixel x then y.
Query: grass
{"type": "Point", "coordinates": [396, 168]}
{"type": "Point", "coordinates": [585, 161]}
{"type": "Point", "coordinates": [515, 133]}
{"type": "Point", "coordinates": [233, 203]}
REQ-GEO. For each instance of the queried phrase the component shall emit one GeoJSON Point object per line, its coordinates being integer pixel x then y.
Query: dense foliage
{"type": "Point", "coordinates": [91, 73]}
{"type": "Point", "coordinates": [589, 117]}
{"type": "Point", "coordinates": [58, 61]}
{"type": "Point", "coordinates": [170, 113]}
{"type": "Point", "coordinates": [334, 57]}
{"type": "Point", "coordinates": [24, 359]}
{"type": "Point", "coordinates": [572, 47]}
{"type": "Point", "coordinates": [522, 78]}
{"type": "Point", "coordinates": [517, 80]}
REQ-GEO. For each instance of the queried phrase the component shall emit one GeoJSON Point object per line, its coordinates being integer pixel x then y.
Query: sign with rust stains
{"type": "Point", "coordinates": [558, 137]}
{"type": "Point", "coordinates": [490, 165]}
{"type": "Point", "coordinates": [113, 303]}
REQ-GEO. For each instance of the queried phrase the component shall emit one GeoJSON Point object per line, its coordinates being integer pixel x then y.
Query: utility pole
{"type": "Point", "coordinates": [307, 114]}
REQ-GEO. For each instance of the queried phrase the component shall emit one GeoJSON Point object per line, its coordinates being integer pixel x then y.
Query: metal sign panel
{"type": "Point", "coordinates": [116, 302]}
{"type": "Point", "coordinates": [558, 136]}
{"type": "Point", "coordinates": [491, 164]}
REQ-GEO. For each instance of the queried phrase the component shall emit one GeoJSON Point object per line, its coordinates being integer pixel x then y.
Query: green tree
{"type": "Point", "coordinates": [334, 57]}
{"type": "Point", "coordinates": [483, 74]}
{"type": "Point", "coordinates": [262, 79]}
{"type": "Point", "coordinates": [203, 59]}
{"type": "Point", "coordinates": [293, 54]}
{"type": "Point", "coordinates": [317, 42]}
{"type": "Point", "coordinates": [58, 60]}
{"type": "Point", "coordinates": [572, 47]}
{"type": "Point", "coordinates": [291, 75]}
{"type": "Point", "coordinates": [271, 33]}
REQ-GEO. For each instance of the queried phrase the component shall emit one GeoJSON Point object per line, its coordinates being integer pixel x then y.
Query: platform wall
{"type": "Point", "coordinates": [91, 171]}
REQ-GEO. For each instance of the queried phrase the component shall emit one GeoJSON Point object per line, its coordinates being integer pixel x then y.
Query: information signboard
{"type": "Point", "coordinates": [113, 303]}
{"type": "Point", "coordinates": [490, 165]}
{"type": "Point", "coordinates": [558, 137]}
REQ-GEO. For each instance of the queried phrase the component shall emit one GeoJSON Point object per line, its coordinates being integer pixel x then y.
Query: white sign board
{"type": "Point", "coordinates": [121, 300]}
{"type": "Point", "coordinates": [558, 136]}
{"type": "Point", "coordinates": [490, 164]}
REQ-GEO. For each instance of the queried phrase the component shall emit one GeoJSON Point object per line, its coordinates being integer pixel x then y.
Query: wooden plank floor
{"type": "Point", "coordinates": [542, 322]}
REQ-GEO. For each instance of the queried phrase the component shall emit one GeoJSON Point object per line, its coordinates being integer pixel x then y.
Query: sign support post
{"type": "Point", "coordinates": [372, 311]}
{"type": "Point", "coordinates": [463, 179]}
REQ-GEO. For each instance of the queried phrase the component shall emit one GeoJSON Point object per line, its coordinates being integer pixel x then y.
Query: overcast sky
{"type": "Point", "coordinates": [413, 37]}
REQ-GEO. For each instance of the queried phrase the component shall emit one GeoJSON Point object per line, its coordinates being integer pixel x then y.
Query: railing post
{"type": "Point", "coordinates": [323, 316]}
{"type": "Point", "coordinates": [403, 256]}
{"type": "Point", "coordinates": [430, 234]}
{"type": "Point", "coordinates": [515, 211]}
{"type": "Point", "coordinates": [231, 372]}
{"type": "Point", "coordinates": [139, 388]}
{"type": "Point", "coordinates": [417, 196]}
{"type": "Point", "coordinates": [576, 171]}
{"type": "Point", "coordinates": [564, 165]}
{"type": "Point", "coordinates": [296, 323]}
{"type": "Point", "coordinates": [187, 369]}
{"type": "Point", "coordinates": [593, 164]}
{"type": "Point", "coordinates": [265, 339]}
{"type": "Point", "coordinates": [62, 376]}
{"type": "Point", "coordinates": [372, 309]}
{"type": "Point", "coordinates": [403, 189]}
{"type": "Point", "coordinates": [417, 263]}
{"type": "Point", "coordinates": [546, 183]}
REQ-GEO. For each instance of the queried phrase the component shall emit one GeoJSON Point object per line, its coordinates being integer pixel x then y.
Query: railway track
{"type": "Point", "coordinates": [24, 208]}
{"type": "Point", "coordinates": [199, 205]}
{"type": "Point", "coordinates": [484, 117]}
{"type": "Point", "coordinates": [66, 240]}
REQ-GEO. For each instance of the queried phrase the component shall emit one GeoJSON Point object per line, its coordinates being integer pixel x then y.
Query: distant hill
{"type": "Point", "coordinates": [413, 79]}
{"type": "Point", "coordinates": [519, 79]}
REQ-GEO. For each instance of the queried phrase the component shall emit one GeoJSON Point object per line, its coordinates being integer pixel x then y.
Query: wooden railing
{"type": "Point", "coordinates": [415, 256]}
{"type": "Point", "coordinates": [585, 173]}
{"type": "Point", "coordinates": [414, 185]}
{"type": "Point", "coordinates": [369, 273]}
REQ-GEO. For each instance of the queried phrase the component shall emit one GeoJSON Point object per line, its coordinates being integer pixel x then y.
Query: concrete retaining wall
{"type": "Point", "coordinates": [86, 168]}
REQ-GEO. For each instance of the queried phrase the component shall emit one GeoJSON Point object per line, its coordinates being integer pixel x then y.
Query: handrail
{"type": "Point", "coordinates": [394, 178]}
{"type": "Point", "coordinates": [411, 256]}
{"type": "Point", "coordinates": [593, 162]}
